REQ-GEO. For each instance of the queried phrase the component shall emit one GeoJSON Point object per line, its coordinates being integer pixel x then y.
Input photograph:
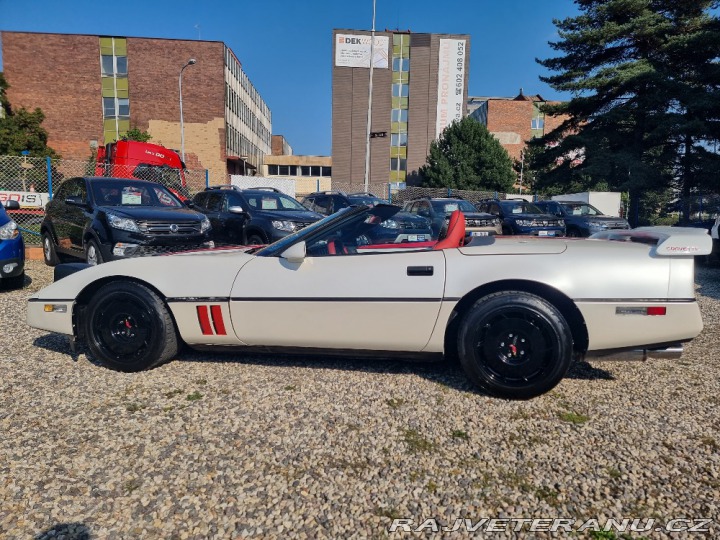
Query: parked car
{"type": "Point", "coordinates": [581, 219]}
{"type": "Point", "coordinates": [101, 219]}
{"type": "Point", "coordinates": [252, 216]}
{"type": "Point", "coordinates": [521, 217]}
{"type": "Point", "coordinates": [12, 249]}
{"type": "Point", "coordinates": [516, 322]}
{"type": "Point", "coordinates": [404, 227]}
{"type": "Point", "coordinates": [439, 209]}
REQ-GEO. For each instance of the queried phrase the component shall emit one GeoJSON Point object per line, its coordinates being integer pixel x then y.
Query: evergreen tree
{"type": "Point", "coordinates": [467, 156]}
{"type": "Point", "coordinates": [644, 80]}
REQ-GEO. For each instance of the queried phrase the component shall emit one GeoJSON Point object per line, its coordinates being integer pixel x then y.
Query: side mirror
{"type": "Point", "coordinates": [189, 203]}
{"type": "Point", "coordinates": [236, 209]}
{"type": "Point", "coordinates": [11, 205]}
{"type": "Point", "coordinates": [295, 253]}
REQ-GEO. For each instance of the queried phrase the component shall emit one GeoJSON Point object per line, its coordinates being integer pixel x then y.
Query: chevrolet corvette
{"type": "Point", "coordinates": [516, 311]}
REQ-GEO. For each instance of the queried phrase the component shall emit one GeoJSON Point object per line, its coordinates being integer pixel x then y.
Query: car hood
{"type": "Point", "coordinates": [152, 213]}
{"type": "Point", "coordinates": [408, 217]}
{"type": "Point", "coordinates": [544, 217]}
{"type": "Point", "coordinates": [196, 274]}
{"type": "Point", "coordinates": [478, 215]}
{"type": "Point", "coordinates": [291, 215]}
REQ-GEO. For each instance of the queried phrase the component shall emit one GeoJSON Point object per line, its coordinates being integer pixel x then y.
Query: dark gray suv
{"type": "Point", "coordinates": [582, 219]}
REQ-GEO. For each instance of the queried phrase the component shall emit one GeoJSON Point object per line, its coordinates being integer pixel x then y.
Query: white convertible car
{"type": "Point", "coordinates": [516, 310]}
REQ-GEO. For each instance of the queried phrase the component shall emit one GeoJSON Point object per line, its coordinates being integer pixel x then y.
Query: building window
{"type": "Point", "coordinates": [400, 90]}
{"type": "Point", "coordinates": [398, 164]}
{"type": "Point", "coordinates": [273, 170]}
{"type": "Point", "coordinates": [398, 139]}
{"type": "Point", "coordinates": [399, 115]}
{"type": "Point", "coordinates": [283, 170]}
{"type": "Point", "coordinates": [537, 123]}
{"type": "Point", "coordinates": [401, 64]}
{"type": "Point", "coordinates": [326, 171]}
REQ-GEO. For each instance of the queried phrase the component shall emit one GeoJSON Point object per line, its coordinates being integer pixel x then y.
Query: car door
{"type": "Point", "coordinates": [375, 301]}
{"type": "Point", "coordinates": [234, 222]}
{"type": "Point", "coordinates": [68, 219]}
{"type": "Point", "coordinates": [213, 211]}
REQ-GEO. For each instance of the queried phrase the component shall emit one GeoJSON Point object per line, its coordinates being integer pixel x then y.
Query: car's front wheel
{"type": "Point", "coordinates": [514, 345]}
{"type": "Point", "coordinates": [49, 254]}
{"type": "Point", "coordinates": [129, 328]}
{"type": "Point", "coordinates": [93, 256]}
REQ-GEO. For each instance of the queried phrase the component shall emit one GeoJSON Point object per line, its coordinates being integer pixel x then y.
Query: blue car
{"type": "Point", "coordinates": [12, 249]}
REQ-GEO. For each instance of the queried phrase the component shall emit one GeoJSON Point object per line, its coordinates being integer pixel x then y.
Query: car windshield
{"type": "Point", "coordinates": [581, 209]}
{"type": "Point", "coordinates": [448, 207]}
{"type": "Point", "coordinates": [367, 200]}
{"type": "Point", "coordinates": [129, 193]}
{"type": "Point", "coordinates": [273, 201]}
{"type": "Point", "coordinates": [349, 230]}
{"type": "Point", "coordinates": [520, 207]}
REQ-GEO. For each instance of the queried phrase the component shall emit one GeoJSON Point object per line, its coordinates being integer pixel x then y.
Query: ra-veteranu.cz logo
{"type": "Point", "coordinates": [624, 525]}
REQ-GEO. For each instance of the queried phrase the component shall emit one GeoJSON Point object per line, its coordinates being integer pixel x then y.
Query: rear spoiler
{"type": "Point", "coordinates": [669, 240]}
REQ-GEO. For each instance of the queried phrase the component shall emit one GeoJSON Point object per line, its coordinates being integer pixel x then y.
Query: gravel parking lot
{"type": "Point", "coordinates": [229, 446]}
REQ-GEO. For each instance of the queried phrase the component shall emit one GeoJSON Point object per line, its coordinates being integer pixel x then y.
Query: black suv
{"type": "Point", "coordinates": [252, 216]}
{"type": "Point", "coordinates": [100, 219]}
{"type": "Point", "coordinates": [519, 216]}
{"type": "Point", "coordinates": [582, 219]}
{"type": "Point", "coordinates": [403, 227]}
{"type": "Point", "coordinates": [438, 211]}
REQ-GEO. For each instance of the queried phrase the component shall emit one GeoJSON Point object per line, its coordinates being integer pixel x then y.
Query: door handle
{"type": "Point", "coordinates": [420, 270]}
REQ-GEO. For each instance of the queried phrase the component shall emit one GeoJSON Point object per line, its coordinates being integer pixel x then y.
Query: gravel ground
{"type": "Point", "coordinates": [224, 446]}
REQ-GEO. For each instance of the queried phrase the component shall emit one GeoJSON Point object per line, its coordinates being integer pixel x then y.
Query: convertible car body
{"type": "Point", "coordinates": [516, 310]}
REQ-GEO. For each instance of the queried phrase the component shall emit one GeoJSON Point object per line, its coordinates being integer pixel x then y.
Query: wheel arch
{"type": "Point", "coordinates": [254, 229]}
{"type": "Point", "coordinates": [83, 298]}
{"type": "Point", "coordinates": [562, 302]}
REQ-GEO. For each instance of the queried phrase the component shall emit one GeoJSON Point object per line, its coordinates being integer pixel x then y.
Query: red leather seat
{"type": "Point", "coordinates": [456, 232]}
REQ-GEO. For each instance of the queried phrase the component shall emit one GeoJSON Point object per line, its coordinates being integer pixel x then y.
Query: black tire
{"type": "Point", "coordinates": [49, 254]}
{"type": "Point", "coordinates": [256, 239]}
{"type": "Point", "coordinates": [573, 233]}
{"type": "Point", "coordinates": [93, 255]}
{"type": "Point", "coordinates": [515, 345]}
{"type": "Point", "coordinates": [129, 328]}
{"type": "Point", "coordinates": [16, 282]}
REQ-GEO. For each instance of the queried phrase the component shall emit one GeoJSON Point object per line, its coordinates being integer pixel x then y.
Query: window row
{"type": "Point", "coordinates": [237, 72]}
{"type": "Point", "coordinates": [245, 114]}
{"type": "Point", "coordinates": [398, 164]}
{"type": "Point", "coordinates": [299, 170]}
{"type": "Point", "coordinates": [238, 145]}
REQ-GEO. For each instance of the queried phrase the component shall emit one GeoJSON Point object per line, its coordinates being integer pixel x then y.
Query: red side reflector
{"type": "Point", "coordinates": [656, 310]}
{"type": "Point", "coordinates": [217, 318]}
{"type": "Point", "coordinates": [204, 320]}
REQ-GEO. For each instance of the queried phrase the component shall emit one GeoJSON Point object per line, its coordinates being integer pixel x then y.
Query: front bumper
{"type": "Point", "coordinates": [11, 267]}
{"type": "Point", "coordinates": [540, 231]}
{"type": "Point", "coordinates": [12, 256]}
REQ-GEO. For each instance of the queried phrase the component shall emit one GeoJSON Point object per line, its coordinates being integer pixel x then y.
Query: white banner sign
{"type": "Point", "coordinates": [27, 199]}
{"type": "Point", "coordinates": [354, 51]}
{"type": "Point", "coordinates": [451, 83]}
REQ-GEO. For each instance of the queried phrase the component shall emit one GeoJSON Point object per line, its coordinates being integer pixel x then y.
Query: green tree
{"type": "Point", "coordinates": [644, 80]}
{"type": "Point", "coordinates": [136, 134]}
{"type": "Point", "coordinates": [21, 130]}
{"type": "Point", "coordinates": [467, 156]}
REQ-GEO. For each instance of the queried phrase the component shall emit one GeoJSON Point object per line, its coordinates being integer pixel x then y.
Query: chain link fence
{"type": "Point", "coordinates": [31, 180]}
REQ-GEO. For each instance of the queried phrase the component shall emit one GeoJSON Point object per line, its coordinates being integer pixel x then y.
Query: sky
{"type": "Point", "coordinates": [285, 46]}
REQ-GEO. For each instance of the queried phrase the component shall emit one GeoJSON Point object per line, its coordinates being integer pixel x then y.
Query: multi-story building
{"type": "Point", "coordinates": [514, 120]}
{"type": "Point", "coordinates": [419, 86]}
{"type": "Point", "coordinates": [92, 89]}
{"type": "Point", "coordinates": [308, 173]}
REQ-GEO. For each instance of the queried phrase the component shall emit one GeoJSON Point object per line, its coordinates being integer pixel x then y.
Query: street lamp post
{"type": "Point", "coordinates": [182, 127]}
{"type": "Point", "coordinates": [369, 114]}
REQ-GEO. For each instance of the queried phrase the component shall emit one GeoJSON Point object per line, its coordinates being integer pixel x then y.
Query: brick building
{"type": "Point", "coordinates": [514, 120]}
{"type": "Point", "coordinates": [419, 87]}
{"type": "Point", "coordinates": [92, 89]}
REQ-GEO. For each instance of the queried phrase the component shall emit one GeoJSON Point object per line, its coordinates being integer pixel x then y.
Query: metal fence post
{"type": "Point", "coordinates": [317, 185]}
{"type": "Point", "coordinates": [389, 192]}
{"type": "Point", "coordinates": [207, 178]}
{"type": "Point", "coordinates": [49, 176]}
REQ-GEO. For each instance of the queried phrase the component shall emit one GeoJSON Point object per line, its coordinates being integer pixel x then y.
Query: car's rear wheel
{"type": "Point", "coordinates": [49, 254]}
{"type": "Point", "coordinates": [92, 253]}
{"type": "Point", "coordinates": [129, 327]}
{"type": "Point", "coordinates": [514, 345]}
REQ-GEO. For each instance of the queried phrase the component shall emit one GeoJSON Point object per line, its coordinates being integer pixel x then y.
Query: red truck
{"type": "Point", "coordinates": [147, 161]}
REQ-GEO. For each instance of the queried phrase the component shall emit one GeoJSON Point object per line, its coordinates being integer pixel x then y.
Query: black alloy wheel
{"type": "Point", "coordinates": [515, 345]}
{"type": "Point", "coordinates": [129, 328]}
